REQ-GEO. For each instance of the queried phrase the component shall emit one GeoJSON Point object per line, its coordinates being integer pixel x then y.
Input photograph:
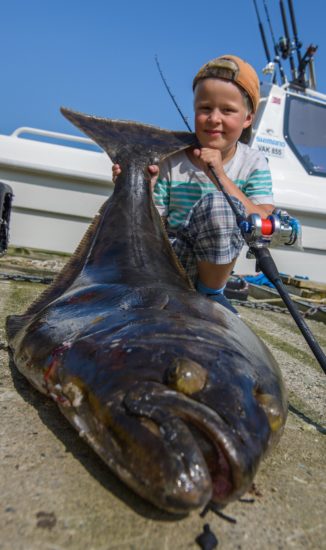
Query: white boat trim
{"type": "Point", "coordinates": [57, 188]}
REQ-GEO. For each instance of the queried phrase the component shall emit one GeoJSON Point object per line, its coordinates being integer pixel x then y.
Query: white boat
{"type": "Point", "coordinates": [290, 129]}
{"type": "Point", "coordinates": [58, 188]}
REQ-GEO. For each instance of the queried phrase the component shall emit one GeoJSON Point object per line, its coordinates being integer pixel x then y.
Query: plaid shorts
{"type": "Point", "coordinates": [210, 233]}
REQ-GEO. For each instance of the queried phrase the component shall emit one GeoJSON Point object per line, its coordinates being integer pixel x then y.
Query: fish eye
{"type": "Point", "coordinates": [186, 376]}
{"type": "Point", "coordinates": [272, 409]}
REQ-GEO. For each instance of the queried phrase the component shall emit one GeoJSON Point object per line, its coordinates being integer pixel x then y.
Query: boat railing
{"type": "Point", "coordinates": [54, 154]}
{"type": "Point", "coordinates": [50, 134]}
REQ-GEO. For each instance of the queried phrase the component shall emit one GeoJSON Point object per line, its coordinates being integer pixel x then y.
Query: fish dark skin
{"type": "Point", "coordinates": [174, 392]}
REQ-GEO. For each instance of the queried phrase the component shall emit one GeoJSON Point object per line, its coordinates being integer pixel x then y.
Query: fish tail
{"type": "Point", "coordinates": [125, 140]}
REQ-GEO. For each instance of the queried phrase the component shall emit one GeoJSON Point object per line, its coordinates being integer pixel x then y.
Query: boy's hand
{"type": "Point", "coordinates": [116, 170]}
{"type": "Point", "coordinates": [153, 171]}
{"type": "Point", "coordinates": [210, 157]}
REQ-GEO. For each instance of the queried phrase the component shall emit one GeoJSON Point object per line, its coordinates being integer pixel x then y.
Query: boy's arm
{"type": "Point", "coordinates": [161, 197]}
{"type": "Point", "coordinates": [263, 210]}
{"type": "Point", "coordinates": [213, 157]}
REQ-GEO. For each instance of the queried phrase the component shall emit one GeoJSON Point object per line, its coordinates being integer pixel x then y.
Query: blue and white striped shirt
{"type": "Point", "coordinates": [181, 184]}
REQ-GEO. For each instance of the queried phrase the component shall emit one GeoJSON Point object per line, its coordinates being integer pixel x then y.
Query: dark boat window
{"type": "Point", "coordinates": [305, 132]}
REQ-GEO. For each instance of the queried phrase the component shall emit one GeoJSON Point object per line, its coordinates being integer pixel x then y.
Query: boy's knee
{"type": "Point", "coordinates": [217, 212]}
{"type": "Point", "coordinates": [220, 203]}
{"type": "Point", "coordinates": [216, 202]}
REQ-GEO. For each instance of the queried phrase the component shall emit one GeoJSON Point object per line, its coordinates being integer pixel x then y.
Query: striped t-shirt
{"type": "Point", "coordinates": [181, 183]}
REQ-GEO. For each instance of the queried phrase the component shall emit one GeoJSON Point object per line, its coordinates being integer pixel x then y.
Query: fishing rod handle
{"type": "Point", "coordinates": [302, 325]}
{"type": "Point", "coordinates": [268, 267]}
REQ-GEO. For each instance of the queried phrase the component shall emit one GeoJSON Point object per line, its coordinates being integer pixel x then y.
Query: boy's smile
{"type": "Point", "coordinates": [220, 115]}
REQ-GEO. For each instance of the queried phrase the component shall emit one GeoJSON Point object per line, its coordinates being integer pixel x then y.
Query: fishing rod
{"type": "Point", "coordinates": [184, 118]}
{"type": "Point", "coordinates": [297, 42]}
{"type": "Point", "coordinates": [285, 42]}
{"type": "Point", "coordinates": [257, 233]}
{"type": "Point", "coordinates": [284, 48]}
{"type": "Point", "coordinates": [277, 58]}
{"type": "Point", "coordinates": [262, 34]}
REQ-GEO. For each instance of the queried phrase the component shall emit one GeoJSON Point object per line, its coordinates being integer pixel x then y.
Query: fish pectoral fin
{"type": "Point", "coordinates": [14, 323]}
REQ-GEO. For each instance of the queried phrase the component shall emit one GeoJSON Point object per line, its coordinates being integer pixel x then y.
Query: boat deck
{"type": "Point", "coordinates": [57, 494]}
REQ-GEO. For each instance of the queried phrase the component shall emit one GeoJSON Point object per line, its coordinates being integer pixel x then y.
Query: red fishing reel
{"type": "Point", "coordinates": [278, 229]}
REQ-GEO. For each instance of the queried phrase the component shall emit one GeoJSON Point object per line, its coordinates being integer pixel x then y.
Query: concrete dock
{"type": "Point", "coordinates": [56, 494]}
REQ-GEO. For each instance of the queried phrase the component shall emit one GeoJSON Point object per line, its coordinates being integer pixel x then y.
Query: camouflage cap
{"type": "Point", "coordinates": [231, 67]}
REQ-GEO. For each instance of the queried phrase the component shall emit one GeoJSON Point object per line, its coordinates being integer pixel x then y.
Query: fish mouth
{"type": "Point", "coordinates": [169, 448]}
{"type": "Point", "coordinates": [217, 464]}
{"type": "Point", "coordinates": [211, 448]}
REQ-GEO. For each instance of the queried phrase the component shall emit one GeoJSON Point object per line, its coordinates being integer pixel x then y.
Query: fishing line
{"type": "Point", "coordinates": [264, 260]}
{"type": "Point", "coordinates": [184, 118]}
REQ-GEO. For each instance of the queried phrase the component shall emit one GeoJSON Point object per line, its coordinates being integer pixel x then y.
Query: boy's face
{"type": "Point", "coordinates": [220, 114]}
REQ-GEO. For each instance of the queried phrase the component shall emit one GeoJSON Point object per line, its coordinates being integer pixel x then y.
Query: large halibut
{"type": "Point", "coordinates": [175, 393]}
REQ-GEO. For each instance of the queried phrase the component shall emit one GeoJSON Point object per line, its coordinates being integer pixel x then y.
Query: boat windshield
{"type": "Point", "coordinates": [305, 132]}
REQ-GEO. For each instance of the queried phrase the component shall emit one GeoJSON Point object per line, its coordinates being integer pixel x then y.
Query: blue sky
{"type": "Point", "coordinates": [97, 56]}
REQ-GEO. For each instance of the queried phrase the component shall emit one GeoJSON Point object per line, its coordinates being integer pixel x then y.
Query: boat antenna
{"type": "Point", "coordinates": [184, 118]}
{"type": "Point", "coordinates": [277, 58]}
{"type": "Point", "coordinates": [285, 44]}
{"type": "Point", "coordinates": [262, 34]}
{"type": "Point", "coordinates": [264, 260]}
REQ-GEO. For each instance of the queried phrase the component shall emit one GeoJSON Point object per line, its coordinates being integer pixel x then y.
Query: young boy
{"type": "Point", "coordinates": [200, 222]}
